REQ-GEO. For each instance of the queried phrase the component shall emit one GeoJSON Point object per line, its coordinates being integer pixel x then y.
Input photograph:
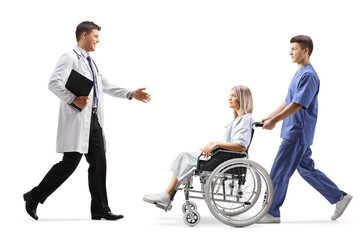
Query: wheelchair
{"type": "Point", "coordinates": [237, 191]}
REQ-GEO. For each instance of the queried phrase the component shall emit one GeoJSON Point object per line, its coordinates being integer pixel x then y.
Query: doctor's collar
{"type": "Point", "coordinates": [83, 53]}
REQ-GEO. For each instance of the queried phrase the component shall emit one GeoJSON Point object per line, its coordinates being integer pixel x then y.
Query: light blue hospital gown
{"type": "Point", "coordinates": [239, 131]}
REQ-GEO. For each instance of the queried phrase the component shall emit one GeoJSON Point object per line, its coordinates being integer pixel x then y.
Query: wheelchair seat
{"type": "Point", "coordinates": [219, 156]}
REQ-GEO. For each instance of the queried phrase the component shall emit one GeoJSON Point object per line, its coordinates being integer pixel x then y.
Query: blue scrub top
{"type": "Point", "coordinates": [303, 90]}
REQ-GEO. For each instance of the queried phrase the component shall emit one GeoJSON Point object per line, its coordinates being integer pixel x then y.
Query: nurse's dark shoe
{"type": "Point", "coordinates": [341, 206]}
{"type": "Point", "coordinates": [30, 205]}
{"type": "Point", "coordinates": [269, 219]}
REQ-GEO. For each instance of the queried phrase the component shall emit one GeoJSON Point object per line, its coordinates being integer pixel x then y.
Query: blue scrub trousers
{"type": "Point", "coordinates": [291, 156]}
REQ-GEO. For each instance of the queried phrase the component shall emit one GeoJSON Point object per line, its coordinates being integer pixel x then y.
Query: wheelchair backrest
{"type": "Point", "coordinates": [252, 135]}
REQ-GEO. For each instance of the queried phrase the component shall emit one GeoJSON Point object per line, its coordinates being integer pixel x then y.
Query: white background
{"type": "Point", "coordinates": [188, 54]}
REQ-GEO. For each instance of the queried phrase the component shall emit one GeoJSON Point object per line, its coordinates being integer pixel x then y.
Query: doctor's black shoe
{"type": "Point", "coordinates": [107, 216]}
{"type": "Point", "coordinates": [30, 205]}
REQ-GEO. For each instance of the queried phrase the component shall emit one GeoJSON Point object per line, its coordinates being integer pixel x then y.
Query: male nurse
{"type": "Point", "coordinates": [299, 114]}
{"type": "Point", "coordinates": [80, 126]}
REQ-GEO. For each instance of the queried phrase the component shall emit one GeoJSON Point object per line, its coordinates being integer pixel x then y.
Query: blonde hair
{"type": "Point", "coordinates": [244, 96]}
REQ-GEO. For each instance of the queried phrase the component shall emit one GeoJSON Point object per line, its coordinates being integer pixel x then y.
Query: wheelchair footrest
{"type": "Point", "coordinates": [164, 207]}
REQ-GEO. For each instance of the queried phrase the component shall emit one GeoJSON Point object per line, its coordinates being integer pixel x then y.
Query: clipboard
{"type": "Point", "coordinates": [78, 85]}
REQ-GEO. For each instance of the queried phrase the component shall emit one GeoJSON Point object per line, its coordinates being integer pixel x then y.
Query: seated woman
{"type": "Point", "coordinates": [237, 138]}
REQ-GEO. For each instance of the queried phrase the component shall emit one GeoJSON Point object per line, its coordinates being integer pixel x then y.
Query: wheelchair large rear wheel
{"type": "Point", "coordinates": [239, 192]}
{"type": "Point", "coordinates": [247, 189]}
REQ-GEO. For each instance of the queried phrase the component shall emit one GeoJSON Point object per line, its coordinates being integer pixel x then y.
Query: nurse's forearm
{"type": "Point", "coordinates": [291, 109]}
{"type": "Point", "coordinates": [231, 146]}
{"type": "Point", "coordinates": [277, 110]}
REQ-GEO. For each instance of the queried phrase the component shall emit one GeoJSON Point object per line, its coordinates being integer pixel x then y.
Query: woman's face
{"type": "Point", "coordinates": [233, 101]}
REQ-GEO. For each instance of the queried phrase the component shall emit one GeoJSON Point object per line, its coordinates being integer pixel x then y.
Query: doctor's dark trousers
{"type": "Point", "coordinates": [294, 156]}
{"type": "Point", "coordinates": [97, 171]}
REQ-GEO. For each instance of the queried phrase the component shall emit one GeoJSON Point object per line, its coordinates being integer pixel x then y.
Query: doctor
{"type": "Point", "coordinates": [81, 120]}
{"type": "Point", "coordinates": [299, 112]}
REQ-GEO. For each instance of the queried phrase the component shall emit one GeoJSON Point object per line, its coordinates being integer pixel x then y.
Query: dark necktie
{"type": "Point", "coordinates": [95, 82]}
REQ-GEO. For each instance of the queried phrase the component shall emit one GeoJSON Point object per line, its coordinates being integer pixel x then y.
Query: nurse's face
{"type": "Point", "coordinates": [233, 101]}
{"type": "Point", "coordinates": [297, 54]}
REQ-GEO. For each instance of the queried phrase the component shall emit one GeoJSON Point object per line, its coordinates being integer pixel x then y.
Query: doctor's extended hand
{"type": "Point", "coordinates": [81, 101]}
{"type": "Point", "coordinates": [140, 95]}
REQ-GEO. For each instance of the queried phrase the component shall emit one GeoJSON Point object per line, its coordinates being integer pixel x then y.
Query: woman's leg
{"type": "Point", "coordinates": [170, 189]}
{"type": "Point", "coordinates": [182, 165]}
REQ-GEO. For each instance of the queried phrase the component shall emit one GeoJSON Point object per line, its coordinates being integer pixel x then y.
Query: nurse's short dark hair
{"type": "Point", "coordinates": [85, 27]}
{"type": "Point", "coordinates": [304, 41]}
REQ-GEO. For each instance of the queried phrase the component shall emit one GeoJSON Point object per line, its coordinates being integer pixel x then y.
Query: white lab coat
{"type": "Point", "coordinates": [74, 126]}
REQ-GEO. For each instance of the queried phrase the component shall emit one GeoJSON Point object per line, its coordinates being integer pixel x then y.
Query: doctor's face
{"type": "Point", "coordinates": [233, 101]}
{"type": "Point", "coordinates": [91, 40]}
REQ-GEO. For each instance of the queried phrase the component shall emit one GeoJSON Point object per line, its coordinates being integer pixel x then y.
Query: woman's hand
{"type": "Point", "coordinates": [206, 151]}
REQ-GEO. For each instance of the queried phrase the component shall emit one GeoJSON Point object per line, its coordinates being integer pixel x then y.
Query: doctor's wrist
{"type": "Point", "coordinates": [130, 95]}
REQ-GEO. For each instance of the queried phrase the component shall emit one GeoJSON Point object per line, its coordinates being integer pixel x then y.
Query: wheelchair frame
{"type": "Point", "coordinates": [223, 180]}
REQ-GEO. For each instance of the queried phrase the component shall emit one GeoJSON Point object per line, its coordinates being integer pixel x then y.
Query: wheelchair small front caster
{"type": "Point", "coordinates": [192, 218]}
{"type": "Point", "coordinates": [185, 207]}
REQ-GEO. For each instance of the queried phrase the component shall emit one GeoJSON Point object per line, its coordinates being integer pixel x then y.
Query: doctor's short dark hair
{"type": "Point", "coordinates": [304, 41]}
{"type": "Point", "coordinates": [85, 27]}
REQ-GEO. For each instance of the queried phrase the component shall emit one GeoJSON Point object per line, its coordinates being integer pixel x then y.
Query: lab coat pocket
{"type": "Point", "coordinates": [72, 109]}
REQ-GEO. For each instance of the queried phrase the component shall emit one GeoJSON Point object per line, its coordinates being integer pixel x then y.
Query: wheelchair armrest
{"type": "Point", "coordinates": [221, 151]}
{"type": "Point", "coordinates": [217, 157]}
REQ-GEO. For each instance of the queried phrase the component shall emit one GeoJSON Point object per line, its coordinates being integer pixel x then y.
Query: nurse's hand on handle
{"type": "Point", "coordinates": [269, 123]}
{"type": "Point", "coordinates": [279, 114]}
{"type": "Point", "coordinates": [81, 101]}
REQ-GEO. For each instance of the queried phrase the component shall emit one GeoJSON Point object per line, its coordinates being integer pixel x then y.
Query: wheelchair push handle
{"type": "Point", "coordinates": [258, 124]}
